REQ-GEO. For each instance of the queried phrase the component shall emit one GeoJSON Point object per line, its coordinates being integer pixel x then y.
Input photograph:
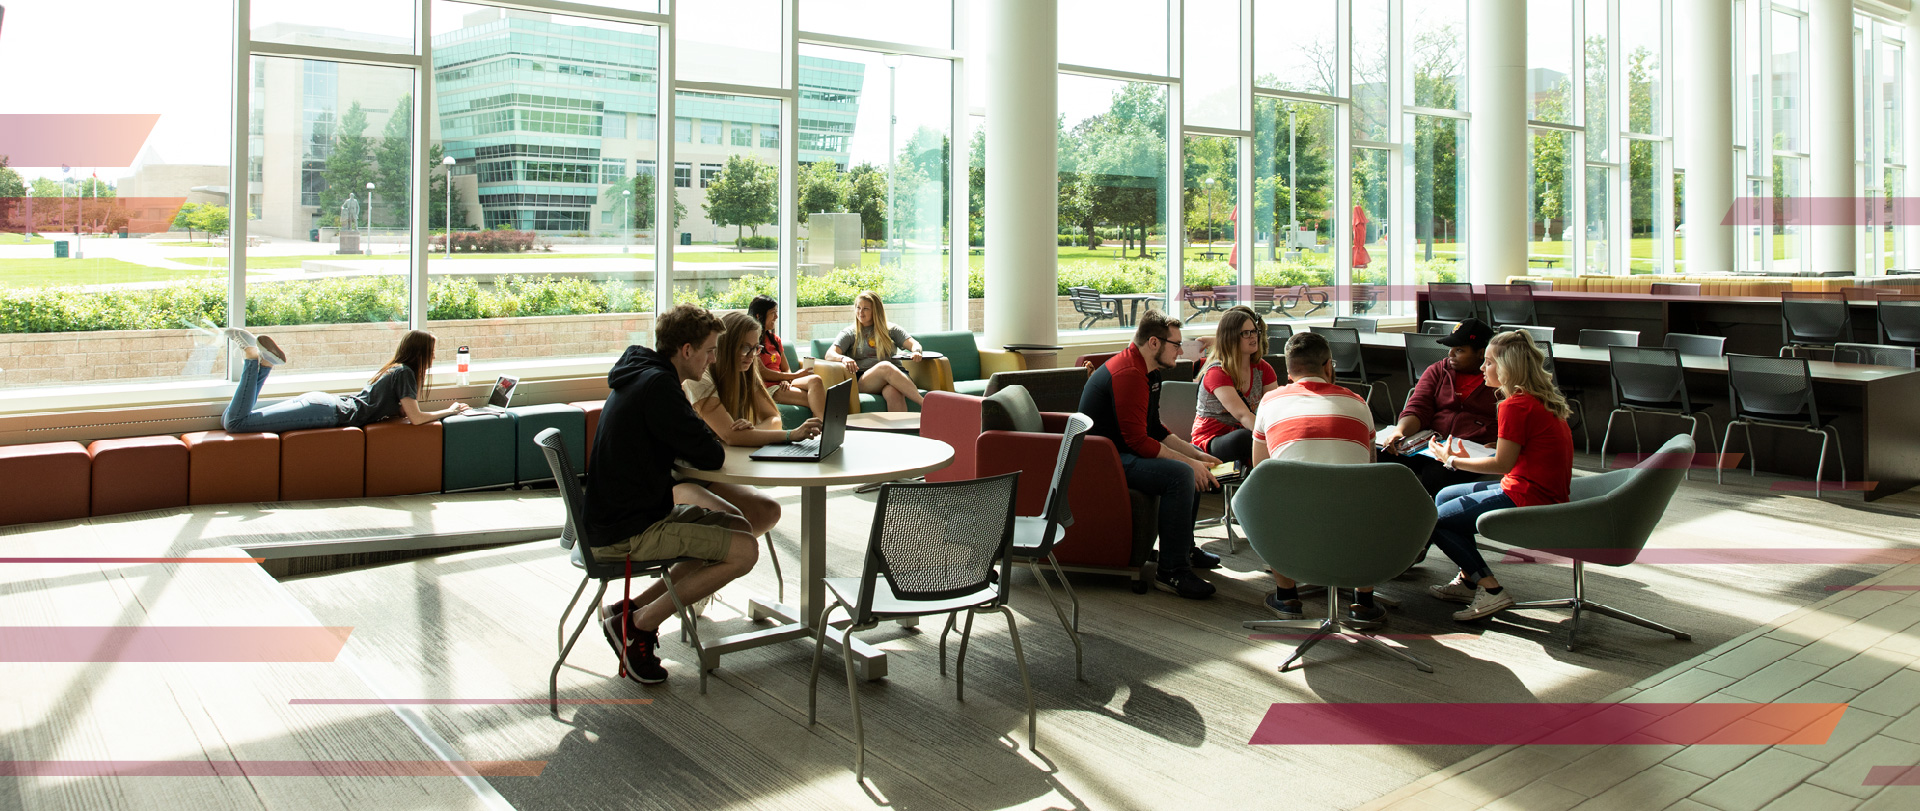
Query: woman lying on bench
{"type": "Point", "coordinates": [391, 392]}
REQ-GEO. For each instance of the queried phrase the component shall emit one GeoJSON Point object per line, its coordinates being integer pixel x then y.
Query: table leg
{"type": "Point", "coordinates": [798, 624]}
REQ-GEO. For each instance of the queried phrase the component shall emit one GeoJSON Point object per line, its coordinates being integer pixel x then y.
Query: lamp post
{"type": "Point", "coordinates": [626, 219]}
{"type": "Point", "coordinates": [447, 161]}
{"type": "Point", "coordinates": [893, 68]}
{"type": "Point", "coordinates": [369, 249]}
{"type": "Point", "coordinates": [1293, 180]}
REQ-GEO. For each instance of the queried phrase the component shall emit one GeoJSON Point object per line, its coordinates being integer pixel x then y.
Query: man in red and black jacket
{"type": "Point", "coordinates": [1123, 399]}
{"type": "Point", "coordinates": [1453, 401]}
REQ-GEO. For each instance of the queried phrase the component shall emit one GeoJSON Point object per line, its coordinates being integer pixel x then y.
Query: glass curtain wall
{"type": "Point", "coordinates": [1878, 52]}
{"type": "Point", "coordinates": [1772, 73]}
{"type": "Point", "coordinates": [1113, 187]}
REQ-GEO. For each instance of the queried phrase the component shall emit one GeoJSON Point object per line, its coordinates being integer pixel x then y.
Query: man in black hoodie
{"type": "Point", "coordinates": [645, 425]}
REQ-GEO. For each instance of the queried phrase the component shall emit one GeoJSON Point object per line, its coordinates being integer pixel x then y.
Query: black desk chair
{"type": "Point", "coordinates": [1349, 367]}
{"type": "Point", "coordinates": [1541, 335]}
{"type": "Point", "coordinates": [1706, 346]}
{"type": "Point", "coordinates": [1874, 355]}
{"type": "Point", "coordinates": [1603, 338]}
{"type": "Point", "coordinates": [1510, 304]}
{"type": "Point", "coordinates": [1776, 392]}
{"type": "Point", "coordinates": [1359, 324]}
{"type": "Point", "coordinates": [1574, 396]}
{"type": "Point", "coordinates": [1451, 301]}
{"type": "Point", "coordinates": [1900, 321]}
{"type": "Point", "coordinates": [1813, 319]}
{"type": "Point", "coordinates": [1438, 327]}
{"type": "Point", "coordinates": [1423, 351]}
{"type": "Point", "coordinates": [1648, 380]}
{"type": "Point", "coordinates": [1277, 335]}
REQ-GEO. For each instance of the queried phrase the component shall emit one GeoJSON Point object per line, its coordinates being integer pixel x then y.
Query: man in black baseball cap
{"type": "Point", "coordinates": [1452, 400]}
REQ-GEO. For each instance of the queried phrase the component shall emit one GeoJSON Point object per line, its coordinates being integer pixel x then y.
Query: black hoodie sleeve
{"type": "Point", "coordinates": [676, 426]}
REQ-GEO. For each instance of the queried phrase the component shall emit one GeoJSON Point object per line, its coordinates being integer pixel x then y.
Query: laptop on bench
{"type": "Point", "coordinates": [833, 429]}
{"type": "Point", "coordinates": [500, 397]}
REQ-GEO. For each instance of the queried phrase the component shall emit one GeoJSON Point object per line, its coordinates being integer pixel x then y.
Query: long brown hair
{"type": "Point", "coordinates": [883, 347]}
{"type": "Point", "coordinates": [735, 375]}
{"type": "Point", "coordinates": [1226, 345]}
{"type": "Point", "coordinates": [416, 353]}
{"type": "Point", "coordinates": [1523, 367]}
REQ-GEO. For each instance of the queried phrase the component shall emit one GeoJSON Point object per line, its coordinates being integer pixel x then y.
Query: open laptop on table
{"type": "Point", "coordinates": [500, 397]}
{"type": "Point", "coordinates": [833, 428]}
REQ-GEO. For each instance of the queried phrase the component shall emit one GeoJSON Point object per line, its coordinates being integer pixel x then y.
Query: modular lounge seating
{"type": "Point", "coordinates": [134, 474]}
{"type": "Point", "coordinates": [1102, 539]}
{"type": "Point", "coordinates": [55, 473]}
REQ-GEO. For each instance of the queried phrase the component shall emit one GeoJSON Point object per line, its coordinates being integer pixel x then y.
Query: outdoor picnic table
{"type": "Point", "coordinates": [1548, 261]}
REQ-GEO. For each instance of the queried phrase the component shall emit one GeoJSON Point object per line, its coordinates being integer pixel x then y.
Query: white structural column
{"type": "Point", "coordinates": [1908, 218]}
{"type": "Point", "coordinates": [1497, 182]}
{"type": "Point", "coordinates": [1709, 141]}
{"type": "Point", "coordinates": [1022, 167]}
{"type": "Point", "coordinates": [1830, 148]}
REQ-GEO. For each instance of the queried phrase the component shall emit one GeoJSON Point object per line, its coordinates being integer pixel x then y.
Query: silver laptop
{"type": "Point", "coordinates": [500, 397]}
{"type": "Point", "coordinates": [833, 429]}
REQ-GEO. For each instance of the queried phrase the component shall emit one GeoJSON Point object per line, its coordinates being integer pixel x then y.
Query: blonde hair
{"type": "Point", "coordinates": [736, 376]}
{"type": "Point", "coordinates": [1226, 345]}
{"type": "Point", "coordinates": [882, 333]}
{"type": "Point", "coordinates": [1523, 367]}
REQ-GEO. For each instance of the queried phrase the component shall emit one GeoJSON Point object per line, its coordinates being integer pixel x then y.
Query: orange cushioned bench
{"type": "Point", "coordinates": [402, 458]}
{"type": "Point", "coordinates": [138, 473]}
{"type": "Point", "coordinates": [322, 463]}
{"type": "Point", "coordinates": [229, 468]}
{"type": "Point", "coordinates": [46, 481]}
{"type": "Point", "coordinates": [592, 407]}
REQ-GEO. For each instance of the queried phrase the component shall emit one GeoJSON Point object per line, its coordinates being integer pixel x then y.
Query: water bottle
{"type": "Point", "coordinates": [463, 359]}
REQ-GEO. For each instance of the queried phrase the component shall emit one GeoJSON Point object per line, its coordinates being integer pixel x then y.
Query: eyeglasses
{"type": "Point", "coordinates": [752, 350]}
{"type": "Point", "coordinates": [1250, 333]}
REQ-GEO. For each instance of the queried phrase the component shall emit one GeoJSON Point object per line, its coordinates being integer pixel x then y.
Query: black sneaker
{"type": "Point", "coordinates": [1202, 559]}
{"type": "Point", "coordinates": [1184, 582]}
{"type": "Point", "coordinates": [1365, 617]}
{"type": "Point", "coordinates": [1284, 609]}
{"type": "Point", "coordinates": [638, 657]}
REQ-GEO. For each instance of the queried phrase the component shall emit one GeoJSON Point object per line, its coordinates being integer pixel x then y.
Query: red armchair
{"type": "Point", "coordinates": [1101, 539]}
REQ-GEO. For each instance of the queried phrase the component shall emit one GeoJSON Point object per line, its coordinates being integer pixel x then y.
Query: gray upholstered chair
{"type": "Point", "coordinates": [1283, 508]}
{"type": "Point", "coordinates": [1608, 522]}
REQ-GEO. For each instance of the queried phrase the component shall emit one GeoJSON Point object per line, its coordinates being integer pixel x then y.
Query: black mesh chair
{"type": "Point", "coordinates": [1349, 367]}
{"type": "Point", "coordinates": [573, 499]}
{"type": "Point", "coordinates": [1874, 354]}
{"type": "Point", "coordinates": [1277, 335]}
{"type": "Point", "coordinates": [1359, 324]}
{"type": "Point", "coordinates": [1091, 306]}
{"type": "Point", "coordinates": [1574, 396]}
{"type": "Point", "coordinates": [1450, 301]}
{"type": "Point", "coordinates": [1813, 319]}
{"type": "Point", "coordinates": [1648, 380]}
{"type": "Point", "coordinates": [935, 548]}
{"type": "Point", "coordinates": [1423, 351]}
{"type": "Point", "coordinates": [1510, 304]}
{"type": "Point", "coordinates": [1438, 327]}
{"type": "Point", "coordinates": [1675, 289]}
{"type": "Point", "coordinates": [1034, 536]}
{"type": "Point", "coordinates": [1541, 335]}
{"type": "Point", "coordinates": [1899, 321]}
{"type": "Point", "coordinates": [1706, 346]}
{"type": "Point", "coordinates": [1603, 338]}
{"type": "Point", "coordinates": [1776, 392]}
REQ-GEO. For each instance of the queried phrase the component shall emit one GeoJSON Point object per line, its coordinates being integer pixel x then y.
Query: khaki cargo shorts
{"type": "Point", "coordinates": [687, 532]}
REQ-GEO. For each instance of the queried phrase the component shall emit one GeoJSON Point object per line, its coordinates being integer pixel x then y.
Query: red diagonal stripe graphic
{"type": "Point", "coordinates": [1546, 724]}
{"type": "Point", "coordinates": [74, 139]}
{"type": "Point", "coordinates": [263, 643]}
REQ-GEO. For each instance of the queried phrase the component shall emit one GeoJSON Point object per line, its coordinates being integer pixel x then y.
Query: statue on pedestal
{"type": "Point", "coordinates": [350, 213]}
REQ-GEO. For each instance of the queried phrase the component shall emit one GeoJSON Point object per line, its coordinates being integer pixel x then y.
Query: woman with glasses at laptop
{"type": "Point", "coordinates": [1234, 380]}
{"type": "Point", "coordinates": [866, 347]}
{"type": "Point", "coordinates": [393, 391]}
{"type": "Point", "coordinates": [785, 386]}
{"type": "Point", "coordinates": [733, 401]}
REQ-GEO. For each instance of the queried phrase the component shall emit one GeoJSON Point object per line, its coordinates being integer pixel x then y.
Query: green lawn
{"type": "Point", "coordinates": [9, 238]}
{"type": "Point", "coordinates": [190, 245]}
{"type": "Point", "coordinates": [57, 272]}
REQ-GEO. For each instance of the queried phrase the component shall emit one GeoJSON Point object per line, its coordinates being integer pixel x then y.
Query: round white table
{"type": "Point", "coordinates": [864, 456]}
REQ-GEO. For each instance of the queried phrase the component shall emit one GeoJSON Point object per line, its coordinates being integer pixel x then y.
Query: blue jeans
{"type": "Point", "coordinates": [1461, 506]}
{"type": "Point", "coordinates": [311, 410]}
{"type": "Point", "coordinates": [1172, 481]}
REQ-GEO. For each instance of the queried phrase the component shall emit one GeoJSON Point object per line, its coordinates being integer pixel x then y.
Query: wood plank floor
{"type": "Point", "coordinates": [1173, 692]}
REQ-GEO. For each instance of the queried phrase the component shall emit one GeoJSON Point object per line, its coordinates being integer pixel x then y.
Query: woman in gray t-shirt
{"type": "Point", "coordinates": [864, 347]}
{"type": "Point", "coordinates": [392, 391]}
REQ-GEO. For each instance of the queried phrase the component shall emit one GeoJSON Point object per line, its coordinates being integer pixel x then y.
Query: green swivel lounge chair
{"type": "Point", "coordinates": [1608, 522]}
{"type": "Point", "coordinates": [1282, 506]}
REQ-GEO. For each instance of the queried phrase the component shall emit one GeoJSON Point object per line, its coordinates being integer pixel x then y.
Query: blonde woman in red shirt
{"type": "Point", "coordinates": [1533, 457]}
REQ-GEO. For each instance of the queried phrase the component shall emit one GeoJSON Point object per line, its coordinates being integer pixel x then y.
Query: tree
{"type": "Point", "coordinates": [393, 163]}
{"type": "Point", "coordinates": [1120, 156]}
{"type": "Point", "coordinates": [1275, 202]}
{"type": "Point", "coordinates": [12, 188]}
{"type": "Point", "coordinates": [211, 219]}
{"type": "Point", "coordinates": [867, 197]}
{"type": "Point", "coordinates": [185, 218]}
{"type": "Point", "coordinates": [823, 188]}
{"type": "Point", "coordinates": [640, 203]}
{"type": "Point", "coordinates": [746, 193]}
{"type": "Point", "coordinates": [349, 165]}
{"type": "Point", "coordinates": [437, 195]}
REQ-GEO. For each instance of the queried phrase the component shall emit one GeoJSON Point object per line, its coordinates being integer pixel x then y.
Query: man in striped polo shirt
{"type": "Point", "coordinates": [1314, 420]}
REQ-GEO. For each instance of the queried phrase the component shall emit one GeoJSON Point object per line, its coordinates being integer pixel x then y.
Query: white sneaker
{"type": "Point", "coordinates": [241, 337]}
{"type": "Point", "coordinates": [1458, 591]}
{"type": "Point", "coordinates": [1484, 604]}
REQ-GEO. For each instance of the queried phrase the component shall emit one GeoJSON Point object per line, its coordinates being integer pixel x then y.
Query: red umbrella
{"type": "Point", "coordinates": [1233, 254]}
{"type": "Point", "coordinates": [1360, 256]}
